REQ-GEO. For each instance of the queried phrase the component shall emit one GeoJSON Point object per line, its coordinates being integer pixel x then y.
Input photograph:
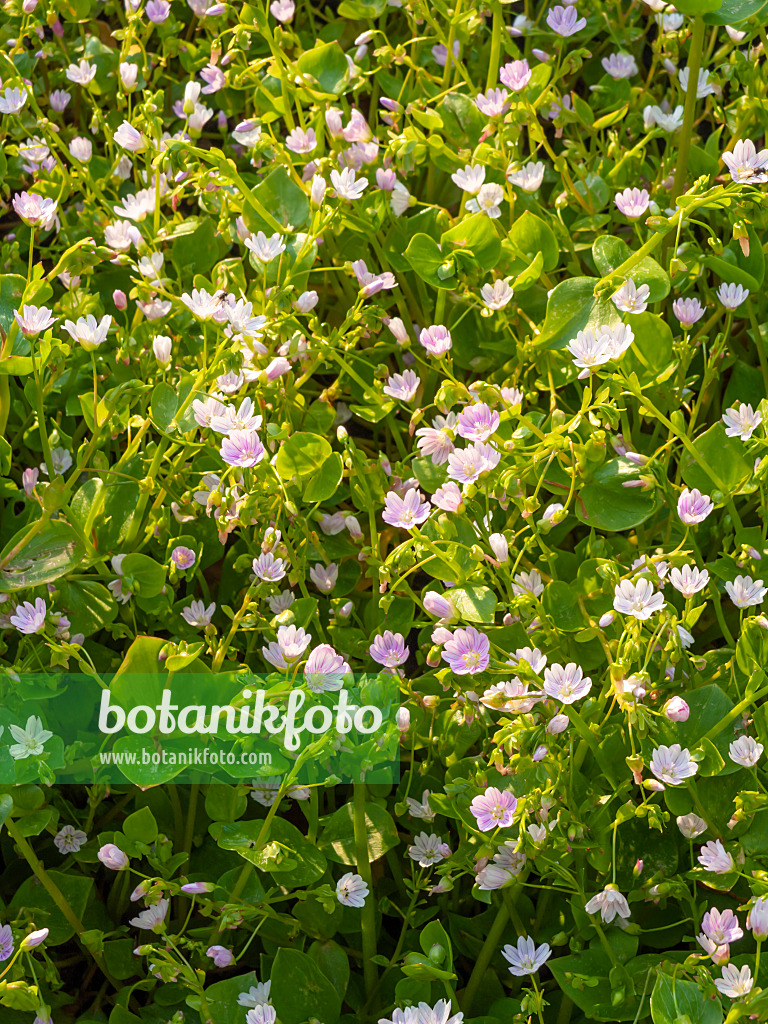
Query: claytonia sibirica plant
{"type": "Point", "coordinates": [395, 361]}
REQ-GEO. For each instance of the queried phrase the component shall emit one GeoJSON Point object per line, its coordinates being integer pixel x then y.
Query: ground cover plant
{"type": "Point", "coordinates": [410, 355]}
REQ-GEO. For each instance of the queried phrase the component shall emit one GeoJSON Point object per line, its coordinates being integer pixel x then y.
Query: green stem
{"type": "Point", "coordinates": [496, 29]}
{"type": "Point", "coordinates": [364, 870]}
{"type": "Point", "coordinates": [684, 139]}
{"type": "Point", "coordinates": [56, 895]}
{"type": "Point", "coordinates": [481, 964]}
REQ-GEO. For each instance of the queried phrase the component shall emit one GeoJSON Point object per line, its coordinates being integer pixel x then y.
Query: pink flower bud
{"type": "Point", "coordinates": [403, 719]}
{"type": "Point", "coordinates": [397, 327]}
{"type": "Point", "coordinates": [112, 857]}
{"type": "Point", "coordinates": [437, 605]}
{"type": "Point", "coordinates": [220, 955]}
{"type": "Point", "coordinates": [120, 299]}
{"type": "Point", "coordinates": [606, 620]}
{"type": "Point", "coordinates": [34, 939]}
{"type": "Point", "coordinates": [676, 710]}
{"type": "Point", "coordinates": [558, 724]}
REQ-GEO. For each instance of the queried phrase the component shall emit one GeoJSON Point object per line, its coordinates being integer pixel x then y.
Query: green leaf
{"type": "Point", "coordinates": [723, 455]}
{"type": "Point", "coordinates": [607, 505]}
{"type": "Point", "coordinates": [141, 826]}
{"type": "Point", "coordinates": [51, 553]}
{"type": "Point", "coordinates": [301, 454]}
{"type": "Point", "coordinates": [426, 257]}
{"type": "Point", "coordinates": [560, 601]}
{"type": "Point", "coordinates": [166, 400]}
{"type": "Point", "coordinates": [731, 12]}
{"type": "Point", "coordinates": [302, 865]}
{"type": "Point", "coordinates": [652, 351]}
{"type": "Point", "coordinates": [324, 483]}
{"type": "Point", "coordinates": [461, 119]}
{"type": "Point", "coordinates": [337, 840]}
{"type": "Point", "coordinates": [223, 995]}
{"type": "Point", "coordinates": [300, 990]}
{"type": "Point", "coordinates": [146, 572]}
{"type": "Point", "coordinates": [479, 236]}
{"type": "Point", "coordinates": [530, 235]}
{"type": "Point", "coordinates": [474, 603]}
{"type": "Point", "coordinates": [31, 896]}
{"type": "Point", "coordinates": [610, 252]}
{"type": "Point", "coordinates": [11, 291]}
{"type": "Point", "coordinates": [571, 307]}
{"type": "Point", "coordinates": [283, 198]}
{"type": "Point", "coordinates": [89, 606]}
{"type": "Point", "coordinates": [327, 64]}
{"type": "Point", "coordinates": [673, 998]}
{"type": "Point", "coordinates": [333, 962]}
{"type": "Point", "coordinates": [197, 244]}
{"type": "Point", "coordinates": [694, 7]}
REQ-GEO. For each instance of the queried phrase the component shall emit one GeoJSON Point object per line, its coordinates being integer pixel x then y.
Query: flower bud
{"type": "Point", "coordinates": [161, 346]}
{"type": "Point", "coordinates": [34, 939]}
{"type": "Point", "coordinates": [437, 605]}
{"type": "Point", "coordinates": [676, 710]}
{"type": "Point", "coordinates": [317, 191]}
{"type": "Point", "coordinates": [397, 327]}
{"type": "Point", "coordinates": [499, 546]}
{"type": "Point", "coordinates": [558, 724]}
{"type": "Point", "coordinates": [606, 620]}
{"type": "Point", "coordinates": [120, 299]}
{"type": "Point", "coordinates": [112, 857]}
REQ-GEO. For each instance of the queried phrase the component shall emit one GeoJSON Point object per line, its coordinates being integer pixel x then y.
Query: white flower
{"type": "Point", "coordinates": [735, 982]}
{"type": "Point", "coordinates": [745, 751]}
{"type": "Point", "coordinates": [487, 201]}
{"type": "Point", "coordinates": [420, 809]}
{"type": "Point", "coordinates": [152, 918]}
{"type": "Point", "coordinates": [529, 177]}
{"type": "Point", "coordinates": [351, 890]}
{"type": "Point", "coordinates": [637, 599]}
{"type": "Point", "coordinates": [609, 902]}
{"type": "Point", "coordinates": [630, 299]}
{"type": "Point", "coordinates": [713, 856]}
{"type": "Point", "coordinates": [732, 295]}
{"type": "Point", "coordinates": [526, 957]}
{"type": "Point", "coordinates": [673, 764]}
{"type": "Point", "coordinates": [691, 825]}
{"type": "Point", "coordinates": [12, 100]}
{"type": "Point", "coordinates": [566, 684]}
{"type": "Point", "coordinates": [69, 839]}
{"type": "Point", "coordinates": [589, 351]}
{"type": "Point", "coordinates": [689, 580]}
{"type": "Point", "coordinates": [29, 740]}
{"type": "Point", "coordinates": [747, 166]}
{"type": "Point", "coordinates": [428, 850]}
{"type": "Point", "coordinates": [89, 331]}
{"type": "Point", "coordinates": [265, 249]}
{"type": "Point", "coordinates": [703, 86]}
{"type": "Point", "coordinates": [528, 583]}
{"type": "Point", "coordinates": [470, 179]}
{"type": "Point", "coordinates": [741, 420]}
{"type": "Point", "coordinates": [745, 592]}
{"type": "Point", "coordinates": [496, 295]}
{"type": "Point", "coordinates": [346, 185]}
{"type": "Point", "coordinates": [81, 73]}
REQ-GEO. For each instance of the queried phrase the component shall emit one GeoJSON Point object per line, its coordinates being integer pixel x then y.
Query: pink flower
{"type": "Point", "coordinates": [493, 809]}
{"type": "Point", "coordinates": [389, 650]}
{"type": "Point", "coordinates": [436, 339]}
{"type": "Point", "coordinates": [406, 512]}
{"type": "Point", "coordinates": [693, 507]}
{"type": "Point", "coordinates": [467, 652]}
